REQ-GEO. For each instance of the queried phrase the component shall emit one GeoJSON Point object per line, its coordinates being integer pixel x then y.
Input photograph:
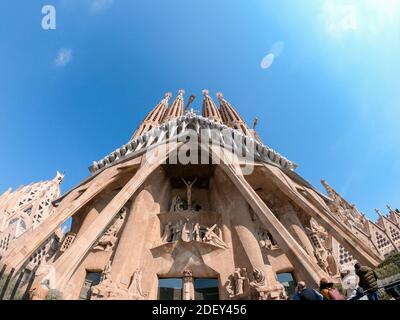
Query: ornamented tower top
{"type": "Point", "coordinates": [176, 109]}
{"type": "Point", "coordinates": [154, 117]}
{"type": "Point", "coordinates": [164, 123]}
{"type": "Point", "coordinates": [231, 117]}
{"type": "Point", "coordinates": [210, 110]}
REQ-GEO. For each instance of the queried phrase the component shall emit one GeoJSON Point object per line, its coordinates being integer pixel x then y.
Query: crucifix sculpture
{"type": "Point", "coordinates": [189, 186]}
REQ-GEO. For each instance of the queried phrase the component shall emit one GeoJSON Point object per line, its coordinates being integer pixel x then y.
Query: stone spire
{"type": "Point", "coordinates": [210, 110]}
{"type": "Point", "coordinates": [230, 116]}
{"type": "Point", "coordinates": [331, 192]}
{"type": "Point", "coordinates": [154, 117]}
{"type": "Point", "coordinates": [176, 108]}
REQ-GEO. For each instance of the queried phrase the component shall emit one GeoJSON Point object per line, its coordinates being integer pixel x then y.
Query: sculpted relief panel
{"type": "Point", "coordinates": [109, 238]}
{"type": "Point", "coordinates": [192, 231]}
{"type": "Point", "coordinates": [241, 286]}
{"type": "Point", "coordinates": [107, 289]}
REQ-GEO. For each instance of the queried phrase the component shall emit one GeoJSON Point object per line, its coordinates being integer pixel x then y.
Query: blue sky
{"type": "Point", "coordinates": [330, 100]}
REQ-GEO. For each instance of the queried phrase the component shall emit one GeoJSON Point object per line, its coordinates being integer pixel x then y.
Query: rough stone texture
{"type": "Point", "coordinates": [136, 221]}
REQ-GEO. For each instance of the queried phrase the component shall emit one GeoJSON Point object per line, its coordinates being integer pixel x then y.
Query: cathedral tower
{"type": "Point", "coordinates": [153, 222]}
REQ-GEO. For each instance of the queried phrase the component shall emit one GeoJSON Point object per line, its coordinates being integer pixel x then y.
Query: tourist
{"type": "Point", "coordinates": [328, 291]}
{"type": "Point", "coordinates": [368, 281]}
{"type": "Point", "coordinates": [304, 293]}
{"type": "Point", "coordinates": [349, 283]}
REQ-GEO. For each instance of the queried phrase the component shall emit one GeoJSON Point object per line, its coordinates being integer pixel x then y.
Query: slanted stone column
{"type": "Point", "coordinates": [151, 199]}
{"type": "Point", "coordinates": [243, 225]}
{"type": "Point", "coordinates": [288, 217]}
{"type": "Point", "coordinates": [222, 205]}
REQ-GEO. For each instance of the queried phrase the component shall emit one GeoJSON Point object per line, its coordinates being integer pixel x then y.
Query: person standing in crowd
{"type": "Point", "coordinates": [304, 293]}
{"type": "Point", "coordinates": [349, 283]}
{"type": "Point", "coordinates": [368, 281]}
{"type": "Point", "coordinates": [328, 291]}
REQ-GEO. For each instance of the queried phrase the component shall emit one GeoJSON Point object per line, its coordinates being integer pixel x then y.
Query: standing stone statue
{"type": "Point", "coordinates": [239, 278]}
{"type": "Point", "coordinates": [167, 234]}
{"type": "Point", "coordinates": [196, 232]}
{"type": "Point", "coordinates": [135, 289]}
{"type": "Point", "coordinates": [177, 231]}
{"type": "Point", "coordinates": [188, 288]}
{"type": "Point", "coordinates": [187, 232]}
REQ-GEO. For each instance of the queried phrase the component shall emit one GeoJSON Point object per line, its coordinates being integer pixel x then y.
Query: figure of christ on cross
{"type": "Point", "coordinates": [189, 186]}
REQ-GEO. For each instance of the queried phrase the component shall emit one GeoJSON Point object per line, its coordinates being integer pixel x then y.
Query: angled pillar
{"type": "Point", "coordinates": [150, 200]}
{"type": "Point", "coordinates": [297, 255]}
{"type": "Point", "coordinates": [323, 216]}
{"type": "Point", "coordinates": [69, 261]}
{"type": "Point", "coordinates": [69, 206]}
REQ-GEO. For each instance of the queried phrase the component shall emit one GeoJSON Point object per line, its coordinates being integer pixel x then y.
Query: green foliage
{"type": "Point", "coordinates": [54, 294]}
{"type": "Point", "coordinates": [389, 267]}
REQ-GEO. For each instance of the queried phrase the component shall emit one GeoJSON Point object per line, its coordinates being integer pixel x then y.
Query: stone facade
{"type": "Point", "coordinates": [139, 225]}
{"type": "Point", "coordinates": [23, 210]}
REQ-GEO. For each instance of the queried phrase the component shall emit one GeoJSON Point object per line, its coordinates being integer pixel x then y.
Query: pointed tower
{"type": "Point", "coordinates": [230, 116]}
{"type": "Point", "coordinates": [177, 107]}
{"type": "Point", "coordinates": [150, 215]}
{"type": "Point", "coordinates": [210, 110]}
{"type": "Point", "coordinates": [154, 117]}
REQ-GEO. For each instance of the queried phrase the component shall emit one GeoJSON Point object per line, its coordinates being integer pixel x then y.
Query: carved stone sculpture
{"type": "Point", "coordinates": [196, 232]}
{"type": "Point", "coordinates": [178, 204]}
{"type": "Point", "coordinates": [213, 238]}
{"type": "Point", "coordinates": [259, 279]}
{"type": "Point", "coordinates": [188, 288]}
{"type": "Point", "coordinates": [189, 186]}
{"type": "Point", "coordinates": [237, 286]}
{"type": "Point", "coordinates": [135, 289]}
{"type": "Point", "coordinates": [109, 238]}
{"type": "Point", "coordinates": [167, 233]}
{"type": "Point", "coordinates": [265, 240]}
{"type": "Point", "coordinates": [190, 231]}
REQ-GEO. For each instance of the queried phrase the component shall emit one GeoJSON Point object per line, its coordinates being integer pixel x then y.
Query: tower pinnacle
{"type": "Point", "coordinates": [154, 117]}
{"type": "Point", "coordinates": [176, 108]}
{"type": "Point", "coordinates": [210, 110]}
{"type": "Point", "coordinates": [230, 116]}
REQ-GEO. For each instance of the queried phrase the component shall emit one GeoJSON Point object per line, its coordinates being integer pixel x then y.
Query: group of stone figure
{"type": "Point", "coordinates": [190, 231]}
{"type": "Point", "coordinates": [323, 253]}
{"type": "Point", "coordinates": [108, 289]}
{"type": "Point", "coordinates": [240, 286]}
{"type": "Point", "coordinates": [265, 240]}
